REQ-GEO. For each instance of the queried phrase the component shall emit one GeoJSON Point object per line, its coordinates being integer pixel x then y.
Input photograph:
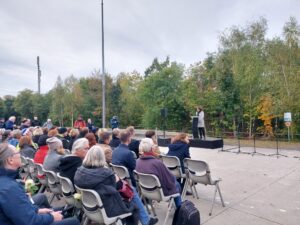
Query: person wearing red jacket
{"type": "Point", "coordinates": [79, 123]}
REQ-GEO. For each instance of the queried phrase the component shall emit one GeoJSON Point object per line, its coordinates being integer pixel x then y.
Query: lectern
{"type": "Point", "coordinates": [195, 126]}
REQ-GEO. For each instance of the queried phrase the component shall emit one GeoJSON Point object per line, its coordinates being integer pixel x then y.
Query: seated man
{"type": "Point", "coordinates": [149, 164]}
{"type": "Point", "coordinates": [15, 206]}
{"type": "Point", "coordinates": [68, 165]}
{"type": "Point", "coordinates": [123, 156]}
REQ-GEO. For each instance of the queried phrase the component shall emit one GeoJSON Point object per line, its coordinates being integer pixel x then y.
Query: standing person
{"type": "Point", "coordinates": [114, 122]}
{"type": "Point", "coordinates": [9, 124]}
{"type": "Point", "coordinates": [90, 125]}
{"type": "Point", "coordinates": [79, 123]}
{"type": "Point", "coordinates": [201, 125]}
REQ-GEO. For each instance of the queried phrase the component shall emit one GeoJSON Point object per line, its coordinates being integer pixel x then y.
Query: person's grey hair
{"type": "Point", "coordinates": [116, 132]}
{"type": "Point", "coordinates": [94, 157]}
{"type": "Point", "coordinates": [79, 144]}
{"type": "Point", "coordinates": [146, 145]}
{"type": "Point", "coordinates": [6, 150]}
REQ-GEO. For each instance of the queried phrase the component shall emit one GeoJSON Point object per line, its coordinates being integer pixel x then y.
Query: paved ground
{"type": "Point", "coordinates": [256, 189]}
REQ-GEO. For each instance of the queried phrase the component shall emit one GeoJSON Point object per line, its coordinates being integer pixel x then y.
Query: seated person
{"type": "Point", "coordinates": [104, 139]}
{"type": "Point", "coordinates": [15, 206]}
{"type": "Point", "coordinates": [93, 174]}
{"type": "Point", "coordinates": [68, 164]}
{"type": "Point", "coordinates": [179, 147]}
{"type": "Point", "coordinates": [115, 141]}
{"type": "Point", "coordinates": [149, 164]}
{"type": "Point", "coordinates": [55, 153]}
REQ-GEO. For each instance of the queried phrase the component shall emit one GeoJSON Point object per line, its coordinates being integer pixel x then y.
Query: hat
{"type": "Point", "coordinates": [54, 143]}
{"type": "Point", "coordinates": [42, 140]}
{"type": "Point", "coordinates": [62, 130]}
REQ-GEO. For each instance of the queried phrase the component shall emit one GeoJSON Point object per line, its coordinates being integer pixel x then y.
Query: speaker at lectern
{"type": "Point", "coordinates": [195, 126]}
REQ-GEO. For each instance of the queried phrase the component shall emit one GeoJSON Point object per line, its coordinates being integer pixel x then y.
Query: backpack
{"type": "Point", "coordinates": [186, 214]}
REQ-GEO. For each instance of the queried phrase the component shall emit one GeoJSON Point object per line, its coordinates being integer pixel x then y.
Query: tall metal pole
{"type": "Point", "coordinates": [103, 69]}
{"type": "Point", "coordinates": [39, 74]}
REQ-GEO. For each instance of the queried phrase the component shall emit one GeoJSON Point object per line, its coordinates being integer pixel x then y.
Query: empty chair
{"type": "Point", "coordinates": [173, 164]}
{"type": "Point", "coordinates": [94, 210]}
{"type": "Point", "coordinates": [122, 172]}
{"type": "Point", "coordinates": [151, 189]}
{"type": "Point", "coordinates": [54, 184]}
{"type": "Point", "coordinates": [41, 176]}
{"type": "Point", "coordinates": [68, 191]}
{"type": "Point", "coordinates": [198, 172]}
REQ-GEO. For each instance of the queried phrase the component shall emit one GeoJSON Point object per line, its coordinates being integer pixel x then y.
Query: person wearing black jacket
{"type": "Point", "coordinates": [68, 165]}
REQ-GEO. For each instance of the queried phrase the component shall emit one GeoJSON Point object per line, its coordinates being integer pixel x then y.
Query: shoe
{"type": "Point", "coordinates": [152, 221]}
{"type": "Point", "coordinates": [188, 193]}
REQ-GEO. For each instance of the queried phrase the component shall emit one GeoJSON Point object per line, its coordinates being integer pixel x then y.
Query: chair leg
{"type": "Point", "coordinates": [213, 202]}
{"type": "Point", "coordinates": [184, 189]}
{"type": "Point", "coordinates": [169, 210]}
{"type": "Point", "coordinates": [146, 204]}
{"type": "Point", "coordinates": [51, 198]}
{"type": "Point", "coordinates": [194, 185]}
{"type": "Point", "coordinates": [217, 185]}
{"type": "Point", "coordinates": [152, 208]}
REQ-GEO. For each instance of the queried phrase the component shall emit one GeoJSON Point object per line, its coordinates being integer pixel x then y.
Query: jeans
{"type": "Point", "coordinates": [177, 199]}
{"type": "Point", "coordinates": [41, 201]}
{"type": "Point", "coordinates": [143, 214]}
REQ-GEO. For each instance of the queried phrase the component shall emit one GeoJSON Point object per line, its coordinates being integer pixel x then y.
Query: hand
{"type": "Point", "coordinates": [57, 215]}
{"type": "Point", "coordinates": [45, 210]}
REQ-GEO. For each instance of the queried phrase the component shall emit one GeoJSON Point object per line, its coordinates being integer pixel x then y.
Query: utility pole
{"type": "Point", "coordinates": [39, 74]}
{"type": "Point", "coordinates": [103, 69]}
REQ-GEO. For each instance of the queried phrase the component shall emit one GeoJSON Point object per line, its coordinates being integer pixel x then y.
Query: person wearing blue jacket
{"type": "Point", "coordinates": [123, 156]}
{"type": "Point", "coordinates": [9, 124]}
{"type": "Point", "coordinates": [15, 206]}
{"type": "Point", "coordinates": [180, 148]}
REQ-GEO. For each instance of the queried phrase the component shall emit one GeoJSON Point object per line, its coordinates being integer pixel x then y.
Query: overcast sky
{"type": "Point", "coordinates": [66, 34]}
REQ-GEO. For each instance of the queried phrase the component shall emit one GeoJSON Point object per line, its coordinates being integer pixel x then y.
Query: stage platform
{"type": "Point", "coordinates": [209, 142]}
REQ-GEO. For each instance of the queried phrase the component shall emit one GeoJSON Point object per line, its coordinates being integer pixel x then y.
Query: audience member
{"type": "Point", "coordinates": [115, 141]}
{"type": "Point", "coordinates": [9, 124]}
{"type": "Point", "coordinates": [26, 147]}
{"type": "Point", "coordinates": [104, 139]}
{"type": "Point", "coordinates": [15, 137]}
{"type": "Point", "coordinates": [94, 174]}
{"type": "Point", "coordinates": [91, 138]}
{"type": "Point", "coordinates": [15, 206]}
{"type": "Point", "coordinates": [62, 134]}
{"type": "Point", "coordinates": [149, 164]}
{"type": "Point", "coordinates": [123, 156]}
{"type": "Point", "coordinates": [134, 144]}
{"type": "Point", "coordinates": [55, 153]}
{"type": "Point", "coordinates": [69, 163]}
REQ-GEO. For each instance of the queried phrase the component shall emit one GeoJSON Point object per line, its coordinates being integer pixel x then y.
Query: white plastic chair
{"type": "Point", "coordinates": [122, 172]}
{"type": "Point", "coordinates": [32, 169]}
{"type": "Point", "coordinates": [152, 190]}
{"type": "Point", "coordinates": [54, 184]}
{"type": "Point", "coordinates": [94, 210]}
{"type": "Point", "coordinates": [199, 173]}
{"type": "Point", "coordinates": [68, 191]}
{"type": "Point", "coordinates": [25, 166]}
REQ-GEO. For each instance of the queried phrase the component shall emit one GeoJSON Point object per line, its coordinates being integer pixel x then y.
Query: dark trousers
{"type": "Point", "coordinates": [201, 132]}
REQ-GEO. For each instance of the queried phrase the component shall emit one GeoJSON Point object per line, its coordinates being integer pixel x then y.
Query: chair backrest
{"type": "Point", "coordinates": [40, 169]}
{"type": "Point", "coordinates": [67, 189]}
{"type": "Point", "coordinates": [53, 181]}
{"type": "Point", "coordinates": [93, 206]}
{"type": "Point", "coordinates": [25, 165]}
{"type": "Point", "coordinates": [122, 172]}
{"type": "Point", "coordinates": [173, 164]}
{"type": "Point", "coordinates": [198, 171]}
{"type": "Point", "coordinates": [150, 186]}
{"type": "Point", "coordinates": [32, 167]}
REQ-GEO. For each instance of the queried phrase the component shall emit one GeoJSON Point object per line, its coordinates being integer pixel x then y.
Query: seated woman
{"type": "Point", "coordinates": [179, 147]}
{"type": "Point", "coordinates": [93, 174]}
{"type": "Point", "coordinates": [26, 147]}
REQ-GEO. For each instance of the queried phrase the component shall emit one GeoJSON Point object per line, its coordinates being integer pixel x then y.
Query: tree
{"type": "Point", "coordinates": [23, 103]}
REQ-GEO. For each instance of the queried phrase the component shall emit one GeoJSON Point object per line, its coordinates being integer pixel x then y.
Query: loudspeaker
{"type": "Point", "coordinates": [164, 112]}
